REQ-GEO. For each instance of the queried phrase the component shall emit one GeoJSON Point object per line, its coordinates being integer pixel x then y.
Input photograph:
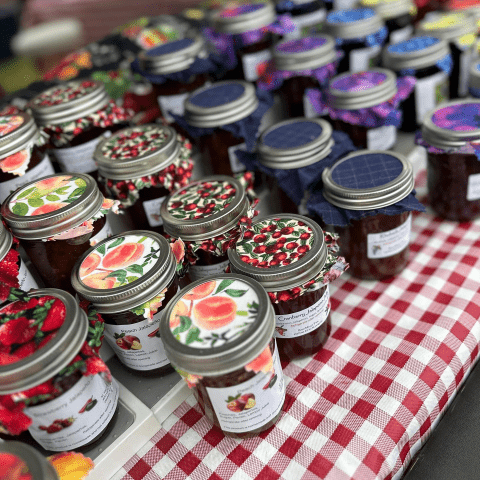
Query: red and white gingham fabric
{"type": "Point", "coordinates": [362, 407]}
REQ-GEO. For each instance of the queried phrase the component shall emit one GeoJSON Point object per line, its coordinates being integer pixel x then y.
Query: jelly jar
{"type": "Point", "coordinates": [21, 158]}
{"type": "Point", "coordinates": [218, 334]}
{"type": "Point", "coordinates": [307, 15]}
{"type": "Point", "coordinates": [474, 82]}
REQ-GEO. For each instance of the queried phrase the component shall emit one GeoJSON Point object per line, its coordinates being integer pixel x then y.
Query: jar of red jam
{"type": "Point", "coordinates": [207, 215]}
{"type": "Point", "coordinates": [373, 195]}
{"type": "Point", "coordinates": [219, 335]}
{"type": "Point", "coordinates": [360, 34]}
{"type": "Point", "coordinates": [140, 166]}
{"type": "Point", "coordinates": [21, 156]}
{"type": "Point", "coordinates": [474, 82]}
{"type": "Point", "coordinates": [307, 15]}
{"type": "Point", "coordinates": [50, 373]}
{"type": "Point", "coordinates": [429, 60]}
{"type": "Point", "coordinates": [56, 220]}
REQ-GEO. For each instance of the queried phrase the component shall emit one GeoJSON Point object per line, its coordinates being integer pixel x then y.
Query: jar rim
{"type": "Point", "coordinates": [465, 25]}
{"type": "Point", "coordinates": [356, 29]}
{"type": "Point", "coordinates": [19, 138]}
{"type": "Point", "coordinates": [6, 241]}
{"type": "Point", "coordinates": [388, 9]}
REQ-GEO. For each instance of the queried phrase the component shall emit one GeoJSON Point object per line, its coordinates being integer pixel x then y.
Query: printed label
{"type": "Point", "coordinates": [473, 188]}
{"type": "Point", "coordinates": [138, 346]}
{"type": "Point", "coordinates": [76, 417]}
{"type": "Point", "coordinates": [251, 64]}
{"type": "Point", "coordinates": [465, 63]}
{"type": "Point", "coordinates": [343, 4]}
{"type": "Point", "coordinates": [401, 34]}
{"type": "Point", "coordinates": [197, 272]}
{"type": "Point", "coordinates": [305, 321]}
{"type": "Point", "coordinates": [429, 92]}
{"type": "Point", "coordinates": [152, 211]}
{"type": "Point", "coordinates": [363, 58]}
{"type": "Point", "coordinates": [235, 164]}
{"type": "Point", "coordinates": [381, 138]}
{"type": "Point", "coordinates": [386, 244]}
{"type": "Point", "coordinates": [43, 169]}
{"type": "Point", "coordinates": [304, 23]}
{"type": "Point", "coordinates": [25, 278]}
{"type": "Point", "coordinates": [105, 232]}
{"type": "Point", "coordinates": [308, 110]}
{"type": "Point", "coordinates": [78, 159]}
{"type": "Point", "coordinates": [172, 103]}
{"type": "Point", "coordinates": [251, 404]}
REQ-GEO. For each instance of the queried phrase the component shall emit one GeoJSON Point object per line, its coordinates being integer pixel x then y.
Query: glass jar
{"type": "Point", "coordinates": [140, 166]}
{"type": "Point", "coordinates": [55, 220]}
{"type": "Point", "coordinates": [79, 404]}
{"type": "Point", "coordinates": [340, 4]}
{"type": "Point", "coordinates": [376, 246]}
{"type": "Point", "coordinates": [205, 214]}
{"type": "Point", "coordinates": [428, 59]}
{"type": "Point", "coordinates": [474, 82]}
{"type": "Point", "coordinates": [360, 33]}
{"type": "Point", "coordinates": [284, 252]}
{"type": "Point", "coordinates": [129, 278]}
{"type": "Point", "coordinates": [218, 334]}
{"type": "Point", "coordinates": [307, 15]}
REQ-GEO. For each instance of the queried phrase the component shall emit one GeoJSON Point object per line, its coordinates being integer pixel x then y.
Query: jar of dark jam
{"type": "Point", "coordinates": [218, 334]}
{"type": "Point", "coordinates": [59, 423]}
{"type": "Point", "coordinates": [284, 252]}
{"type": "Point", "coordinates": [375, 246]}
{"type": "Point", "coordinates": [129, 278]}
{"type": "Point", "coordinates": [21, 159]}
{"type": "Point", "coordinates": [302, 56]}
{"type": "Point", "coordinates": [474, 82]}
{"type": "Point", "coordinates": [420, 57]}
{"type": "Point", "coordinates": [134, 165]}
{"type": "Point", "coordinates": [307, 15]}
{"type": "Point", "coordinates": [55, 220]}
{"type": "Point", "coordinates": [351, 28]}
{"type": "Point", "coordinates": [204, 215]}
{"type": "Point", "coordinates": [451, 134]}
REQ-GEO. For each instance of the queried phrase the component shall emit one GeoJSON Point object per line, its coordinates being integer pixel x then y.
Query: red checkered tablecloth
{"type": "Point", "coordinates": [362, 407]}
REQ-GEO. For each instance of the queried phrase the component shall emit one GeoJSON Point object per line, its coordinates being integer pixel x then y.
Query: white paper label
{"type": "Point", "coordinates": [138, 346]}
{"type": "Point", "coordinates": [251, 61]}
{"type": "Point", "coordinates": [25, 278]}
{"type": "Point", "coordinates": [152, 211]}
{"type": "Point", "coordinates": [360, 58]}
{"type": "Point", "coordinates": [306, 21]}
{"type": "Point", "coordinates": [465, 63]}
{"type": "Point", "coordinates": [401, 34]}
{"type": "Point", "coordinates": [308, 110]}
{"type": "Point", "coordinates": [305, 321]}
{"type": "Point", "coordinates": [429, 92]}
{"type": "Point", "coordinates": [235, 164]}
{"type": "Point", "coordinates": [473, 189]}
{"type": "Point", "coordinates": [197, 272]}
{"type": "Point", "coordinates": [105, 232]}
{"type": "Point", "coordinates": [344, 4]}
{"type": "Point", "coordinates": [78, 159]}
{"type": "Point", "coordinates": [250, 404]}
{"type": "Point", "coordinates": [76, 417]}
{"type": "Point", "coordinates": [172, 103]}
{"type": "Point", "coordinates": [43, 169]}
{"type": "Point", "coordinates": [381, 138]}
{"type": "Point", "coordinates": [386, 244]}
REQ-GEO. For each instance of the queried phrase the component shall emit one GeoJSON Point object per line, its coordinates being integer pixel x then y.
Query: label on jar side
{"type": "Point", "coordinates": [381, 138]}
{"type": "Point", "coordinates": [152, 211]}
{"type": "Point", "coordinates": [473, 187]}
{"type": "Point", "coordinates": [197, 272]}
{"type": "Point", "coordinates": [251, 404]}
{"type": "Point", "coordinates": [138, 346]}
{"type": "Point", "coordinates": [78, 159]}
{"type": "Point", "coordinates": [105, 232]}
{"type": "Point", "coordinates": [363, 58]}
{"type": "Point", "coordinates": [401, 34]}
{"type": "Point", "coordinates": [172, 103]}
{"type": "Point", "coordinates": [296, 324]}
{"type": "Point", "coordinates": [386, 244]}
{"type": "Point", "coordinates": [465, 63]}
{"type": "Point", "coordinates": [251, 63]}
{"type": "Point", "coordinates": [43, 169]}
{"type": "Point", "coordinates": [235, 164]}
{"type": "Point", "coordinates": [25, 278]}
{"type": "Point", "coordinates": [429, 92]}
{"type": "Point", "coordinates": [76, 417]}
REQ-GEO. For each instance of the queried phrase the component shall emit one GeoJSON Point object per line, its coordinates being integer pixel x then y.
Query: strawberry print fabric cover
{"type": "Point", "coordinates": [9, 268]}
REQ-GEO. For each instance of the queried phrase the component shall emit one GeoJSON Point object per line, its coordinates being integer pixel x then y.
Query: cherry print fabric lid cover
{"type": "Point", "coordinates": [365, 183]}
{"type": "Point", "coordinates": [452, 127]}
{"type": "Point", "coordinates": [58, 207]}
{"type": "Point", "coordinates": [474, 82]}
{"type": "Point", "coordinates": [143, 157]}
{"type": "Point", "coordinates": [45, 336]}
{"type": "Point", "coordinates": [288, 255]}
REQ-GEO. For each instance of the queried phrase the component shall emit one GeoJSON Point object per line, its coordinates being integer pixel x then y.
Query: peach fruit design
{"type": "Point", "coordinates": [241, 402]}
{"type": "Point", "coordinates": [90, 264]}
{"type": "Point", "coordinates": [15, 162]}
{"type": "Point", "coordinates": [99, 281]}
{"type": "Point", "coordinates": [123, 256]}
{"type": "Point", "coordinates": [180, 309]}
{"type": "Point", "coordinates": [201, 291]}
{"type": "Point", "coordinates": [48, 208]}
{"type": "Point", "coordinates": [263, 363]}
{"type": "Point", "coordinates": [215, 312]}
{"type": "Point", "coordinates": [8, 124]}
{"type": "Point", "coordinates": [128, 342]}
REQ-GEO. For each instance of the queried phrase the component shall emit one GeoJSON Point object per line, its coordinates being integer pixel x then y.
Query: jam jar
{"type": "Point", "coordinates": [219, 335]}
{"type": "Point", "coordinates": [360, 33]}
{"type": "Point", "coordinates": [307, 15]}
{"type": "Point", "coordinates": [474, 82]}
{"type": "Point", "coordinates": [375, 245]}
{"type": "Point", "coordinates": [451, 134]}
{"type": "Point", "coordinates": [283, 253]}
{"type": "Point", "coordinates": [21, 157]}
{"type": "Point", "coordinates": [56, 219]}
{"type": "Point", "coordinates": [140, 166]}
{"type": "Point", "coordinates": [206, 215]}
{"type": "Point", "coordinates": [428, 59]}
{"type": "Point", "coordinates": [129, 278]}
{"type": "Point", "coordinates": [59, 375]}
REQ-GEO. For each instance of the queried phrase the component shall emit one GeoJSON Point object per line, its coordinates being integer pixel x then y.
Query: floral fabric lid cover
{"type": "Point", "coordinates": [64, 93]}
{"type": "Point", "coordinates": [358, 81]}
{"type": "Point", "coordinates": [240, 10]}
{"type": "Point", "coordinates": [350, 16]}
{"type": "Point", "coordinates": [9, 124]}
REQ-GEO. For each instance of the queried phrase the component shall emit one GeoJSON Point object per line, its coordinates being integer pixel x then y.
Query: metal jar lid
{"type": "Point", "coordinates": [369, 97]}
{"type": "Point", "coordinates": [474, 81]}
{"type": "Point", "coordinates": [171, 57]}
{"type": "Point", "coordinates": [388, 9]}
{"type": "Point", "coordinates": [134, 293]}
{"type": "Point", "coordinates": [6, 241]}
{"type": "Point", "coordinates": [221, 103]}
{"type": "Point", "coordinates": [38, 466]}
{"type": "Point", "coordinates": [448, 26]}
{"type": "Point", "coordinates": [231, 355]}
{"type": "Point", "coordinates": [68, 102]}
{"type": "Point", "coordinates": [158, 153]}
{"type": "Point", "coordinates": [18, 138]}
{"type": "Point", "coordinates": [289, 56]}
{"type": "Point", "coordinates": [249, 16]}
{"type": "Point", "coordinates": [372, 198]}
{"type": "Point", "coordinates": [416, 53]}
{"type": "Point", "coordinates": [49, 360]}
{"type": "Point", "coordinates": [284, 277]}
{"type": "Point", "coordinates": [342, 24]}
{"type": "Point", "coordinates": [295, 143]}
{"type": "Point", "coordinates": [37, 227]}
{"type": "Point", "coordinates": [194, 229]}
